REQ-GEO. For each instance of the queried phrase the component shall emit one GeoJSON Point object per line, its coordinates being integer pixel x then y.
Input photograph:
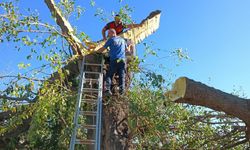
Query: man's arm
{"type": "Point", "coordinates": [100, 50]}
{"type": "Point", "coordinates": [106, 45]}
{"type": "Point", "coordinates": [103, 33]}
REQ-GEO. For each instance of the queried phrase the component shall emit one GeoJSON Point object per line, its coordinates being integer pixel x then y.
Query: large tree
{"type": "Point", "coordinates": [44, 99]}
{"type": "Point", "coordinates": [38, 107]}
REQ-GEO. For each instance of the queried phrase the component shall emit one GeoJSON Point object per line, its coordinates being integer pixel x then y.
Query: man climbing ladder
{"type": "Point", "coordinates": [117, 46]}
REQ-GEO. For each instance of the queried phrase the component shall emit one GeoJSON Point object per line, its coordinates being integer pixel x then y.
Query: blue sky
{"type": "Point", "coordinates": [215, 33]}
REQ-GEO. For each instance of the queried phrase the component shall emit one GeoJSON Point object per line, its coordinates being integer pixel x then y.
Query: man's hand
{"type": "Point", "coordinates": [100, 50]}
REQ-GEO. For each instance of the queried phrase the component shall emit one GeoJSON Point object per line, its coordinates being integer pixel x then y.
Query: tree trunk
{"type": "Point", "coordinates": [191, 92]}
{"type": "Point", "coordinates": [114, 117]}
{"type": "Point", "coordinates": [115, 126]}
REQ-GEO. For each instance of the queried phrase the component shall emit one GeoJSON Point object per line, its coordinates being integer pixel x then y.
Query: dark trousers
{"type": "Point", "coordinates": [116, 66]}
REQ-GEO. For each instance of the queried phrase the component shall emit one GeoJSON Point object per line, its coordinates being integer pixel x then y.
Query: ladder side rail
{"type": "Point", "coordinates": [100, 106]}
{"type": "Point", "coordinates": [77, 107]}
{"type": "Point", "coordinates": [99, 125]}
{"type": "Point", "coordinates": [98, 116]}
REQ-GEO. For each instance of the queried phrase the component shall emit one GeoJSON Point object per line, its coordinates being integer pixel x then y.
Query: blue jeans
{"type": "Point", "coordinates": [116, 66]}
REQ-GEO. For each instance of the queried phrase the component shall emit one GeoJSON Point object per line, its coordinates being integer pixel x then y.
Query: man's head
{"type": "Point", "coordinates": [117, 19]}
{"type": "Point", "coordinates": [111, 33]}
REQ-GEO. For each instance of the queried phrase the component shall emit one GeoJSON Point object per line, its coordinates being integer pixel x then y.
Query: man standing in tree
{"type": "Point", "coordinates": [118, 47]}
{"type": "Point", "coordinates": [117, 25]}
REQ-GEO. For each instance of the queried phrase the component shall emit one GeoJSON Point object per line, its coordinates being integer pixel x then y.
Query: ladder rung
{"type": "Point", "coordinates": [90, 64]}
{"type": "Point", "coordinates": [89, 79]}
{"type": "Point", "coordinates": [87, 126]}
{"type": "Point", "coordinates": [92, 72]}
{"type": "Point", "coordinates": [91, 89]}
{"type": "Point", "coordinates": [88, 113]}
{"type": "Point", "coordinates": [89, 100]}
{"type": "Point", "coordinates": [90, 95]}
{"type": "Point", "coordinates": [90, 126]}
{"type": "Point", "coordinates": [86, 141]}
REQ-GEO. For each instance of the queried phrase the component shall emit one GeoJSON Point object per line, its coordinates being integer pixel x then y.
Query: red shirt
{"type": "Point", "coordinates": [118, 28]}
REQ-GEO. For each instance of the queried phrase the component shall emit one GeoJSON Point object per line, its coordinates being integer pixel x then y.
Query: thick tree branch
{"type": "Point", "coordinates": [195, 93]}
{"type": "Point", "coordinates": [19, 129]}
{"type": "Point", "coordinates": [66, 28]}
{"type": "Point", "coordinates": [20, 77]}
{"type": "Point", "coordinates": [235, 144]}
{"type": "Point", "coordinates": [16, 98]}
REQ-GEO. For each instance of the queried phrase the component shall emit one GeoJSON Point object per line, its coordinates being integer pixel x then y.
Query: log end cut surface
{"type": "Point", "coordinates": [178, 89]}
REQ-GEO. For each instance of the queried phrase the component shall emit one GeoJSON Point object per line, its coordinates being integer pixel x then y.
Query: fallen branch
{"type": "Point", "coordinates": [188, 91]}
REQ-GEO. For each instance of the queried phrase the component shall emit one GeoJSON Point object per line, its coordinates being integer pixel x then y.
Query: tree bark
{"type": "Point", "coordinates": [188, 91]}
{"type": "Point", "coordinates": [115, 127]}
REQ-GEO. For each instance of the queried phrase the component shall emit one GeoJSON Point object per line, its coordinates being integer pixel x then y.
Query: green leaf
{"type": "Point", "coordinates": [29, 57]}
{"type": "Point", "coordinates": [92, 3]}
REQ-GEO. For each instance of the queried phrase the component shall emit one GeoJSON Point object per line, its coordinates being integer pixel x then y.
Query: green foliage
{"type": "Point", "coordinates": [23, 66]}
{"type": "Point", "coordinates": [125, 13]}
{"type": "Point", "coordinates": [157, 123]}
{"type": "Point", "coordinates": [149, 50]}
{"type": "Point", "coordinates": [51, 123]}
{"type": "Point", "coordinates": [180, 55]}
{"type": "Point", "coordinates": [52, 115]}
{"type": "Point", "coordinates": [69, 8]}
{"type": "Point", "coordinates": [133, 64]}
{"type": "Point", "coordinates": [92, 3]}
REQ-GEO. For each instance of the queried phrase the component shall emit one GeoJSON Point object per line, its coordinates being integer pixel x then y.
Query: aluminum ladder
{"type": "Point", "coordinates": [88, 111]}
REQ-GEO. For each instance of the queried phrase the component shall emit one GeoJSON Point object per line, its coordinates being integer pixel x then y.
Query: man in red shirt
{"type": "Point", "coordinates": [117, 25]}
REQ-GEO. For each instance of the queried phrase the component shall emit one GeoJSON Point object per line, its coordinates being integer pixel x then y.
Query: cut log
{"type": "Point", "coordinates": [188, 91]}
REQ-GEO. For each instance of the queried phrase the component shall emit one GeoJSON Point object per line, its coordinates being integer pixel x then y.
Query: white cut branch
{"type": "Point", "coordinates": [66, 28]}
